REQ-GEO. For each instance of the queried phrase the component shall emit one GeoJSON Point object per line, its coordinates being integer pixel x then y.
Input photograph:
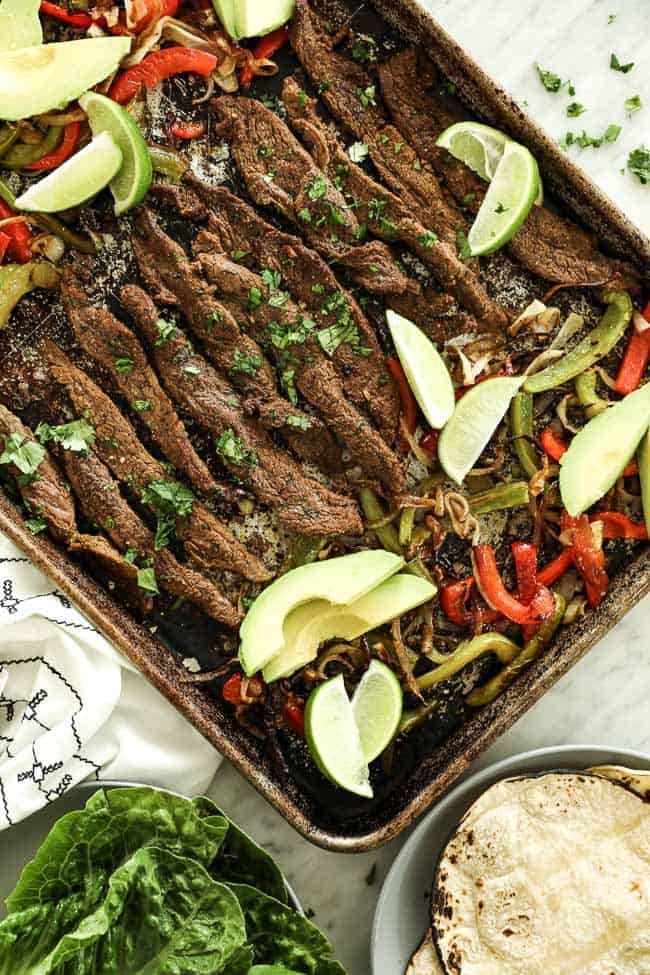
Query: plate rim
{"type": "Point", "coordinates": [494, 770]}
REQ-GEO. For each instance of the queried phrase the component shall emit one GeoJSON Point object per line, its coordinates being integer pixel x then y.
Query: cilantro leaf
{"type": "Point", "coordinates": [358, 151]}
{"type": "Point", "coordinates": [78, 435]}
{"type": "Point", "coordinates": [638, 162]}
{"type": "Point", "coordinates": [616, 65]}
{"type": "Point", "coordinates": [26, 455]}
{"type": "Point", "coordinates": [550, 80]}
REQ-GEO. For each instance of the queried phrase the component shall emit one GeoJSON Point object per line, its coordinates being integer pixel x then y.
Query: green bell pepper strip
{"type": "Point", "coordinates": [521, 425]}
{"type": "Point", "coordinates": [413, 719]}
{"type": "Point", "coordinates": [587, 396]}
{"type": "Point", "coordinates": [168, 163]}
{"type": "Point", "coordinates": [591, 349]}
{"type": "Point", "coordinates": [505, 649]}
{"type": "Point", "coordinates": [545, 633]}
{"type": "Point", "coordinates": [7, 195]}
{"type": "Point", "coordinates": [17, 280]}
{"type": "Point", "coordinates": [374, 512]}
{"type": "Point", "coordinates": [406, 521]}
{"type": "Point", "coordinates": [512, 495]}
{"type": "Point", "coordinates": [7, 138]}
{"type": "Point", "coordinates": [19, 156]}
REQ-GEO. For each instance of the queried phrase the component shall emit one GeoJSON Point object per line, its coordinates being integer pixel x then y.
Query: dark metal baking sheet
{"type": "Point", "coordinates": [436, 760]}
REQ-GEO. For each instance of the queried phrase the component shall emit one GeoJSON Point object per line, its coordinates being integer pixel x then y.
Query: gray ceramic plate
{"type": "Point", "coordinates": [19, 844]}
{"type": "Point", "coordinates": [402, 915]}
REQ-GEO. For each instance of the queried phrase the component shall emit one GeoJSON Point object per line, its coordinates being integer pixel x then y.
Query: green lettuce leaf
{"type": "Point", "coordinates": [84, 848]}
{"type": "Point", "coordinates": [162, 915]}
{"type": "Point", "coordinates": [280, 936]}
{"type": "Point", "coordinates": [241, 861]}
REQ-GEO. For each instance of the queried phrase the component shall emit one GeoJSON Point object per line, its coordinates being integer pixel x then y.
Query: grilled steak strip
{"type": "Point", "coordinates": [300, 502]}
{"type": "Point", "coordinates": [162, 260]}
{"type": "Point", "coordinates": [377, 208]}
{"type": "Point", "coordinates": [49, 498]}
{"type": "Point", "coordinates": [306, 196]}
{"type": "Point", "coordinates": [114, 347]}
{"type": "Point", "coordinates": [208, 543]}
{"type": "Point", "coordinates": [99, 498]}
{"type": "Point", "coordinates": [548, 244]}
{"type": "Point", "coordinates": [310, 281]}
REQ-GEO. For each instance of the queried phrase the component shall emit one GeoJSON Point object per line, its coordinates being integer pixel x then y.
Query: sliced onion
{"type": "Point", "coordinates": [641, 324]}
{"type": "Point", "coordinates": [527, 317]}
{"type": "Point", "coordinates": [574, 323]}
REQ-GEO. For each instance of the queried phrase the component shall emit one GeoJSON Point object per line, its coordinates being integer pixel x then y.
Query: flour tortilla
{"type": "Point", "coordinates": [547, 875]}
{"type": "Point", "coordinates": [425, 961]}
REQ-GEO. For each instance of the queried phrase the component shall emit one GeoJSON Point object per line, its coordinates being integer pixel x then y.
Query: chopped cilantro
{"type": "Point", "coordinates": [318, 289]}
{"type": "Point", "coordinates": [575, 109]}
{"type": "Point", "coordinates": [272, 279]}
{"type": "Point", "coordinates": [233, 451]}
{"type": "Point", "coordinates": [130, 555]}
{"type": "Point", "coordinates": [290, 333]}
{"type": "Point", "coordinates": [255, 298]}
{"type": "Point", "coordinates": [35, 525]}
{"type": "Point", "coordinates": [109, 523]}
{"type": "Point", "coordinates": [269, 177]}
{"type": "Point", "coordinates": [305, 215]}
{"type": "Point", "coordinates": [417, 166]}
{"type": "Point", "coordinates": [467, 199]}
{"type": "Point", "coordinates": [428, 238]}
{"type": "Point", "coordinates": [616, 65]}
{"type": "Point", "coordinates": [147, 580]}
{"type": "Point", "coordinates": [388, 227]}
{"type": "Point", "coordinates": [638, 162]}
{"type": "Point", "coordinates": [611, 19]}
{"type": "Point", "coordinates": [500, 208]}
{"type": "Point", "coordinates": [367, 96]}
{"type": "Point", "coordinates": [330, 338]}
{"type": "Point", "coordinates": [362, 231]}
{"type": "Point", "coordinates": [77, 436]}
{"type": "Point", "coordinates": [585, 141]}
{"type": "Point", "coordinates": [264, 151]}
{"type": "Point", "coordinates": [462, 245]}
{"type": "Point", "coordinates": [633, 104]}
{"type": "Point", "coordinates": [26, 455]}
{"type": "Point", "coordinates": [299, 422]}
{"type": "Point", "coordinates": [358, 151]}
{"type": "Point", "coordinates": [288, 383]}
{"type": "Point", "coordinates": [124, 364]}
{"type": "Point", "coordinates": [323, 86]}
{"type": "Point", "coordinates": [278, 299]}
{"type": "Point", "coordinates": [550, 80]}
{"type": "Point", "coordinates": [236, 256]}
{"type": "Point", "coordinates": [192, 370]}
{"type": "Point", "coordinates": [364, 49]}
{"type": "Point", "coordinates": [376, 208]}
{"type": "Point", "coordinates": [247, 364]}
{"type": "Point", "coordinates": [270, 101]}
{"type": "Point", "coordinates": [303, 98]}
{"type": "Point", "coordinates": [169, 500]}
{"type": "Point", "coordinates": [449, 87]}
{"type": "Point", "coordinates": [383, 138]}
{"type": "Point", "coordinates": [142, 405]}
{"type": "Point", "coordinates": [166, 331]}
{"type": "Point", "coordinates": [317, 189]}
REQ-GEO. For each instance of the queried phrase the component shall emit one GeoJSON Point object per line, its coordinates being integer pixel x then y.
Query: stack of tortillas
{"type": "Point", "coordinates": [546, 875]}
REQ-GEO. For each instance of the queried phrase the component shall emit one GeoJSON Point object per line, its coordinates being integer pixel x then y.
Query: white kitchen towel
{"type": "Point", "coordinates": [72, 707]}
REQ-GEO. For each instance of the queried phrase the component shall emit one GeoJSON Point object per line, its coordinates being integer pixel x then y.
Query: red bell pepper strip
{"type": "Point", "coordinates": [266, 47]}
{"type": "Point", "coordinates": [407, 399]}
{"type": "Point", "coordinates": [497, 596]}
{"type": "Point", "coordinates": [20, 236]}
{"type": "Point", "coordinates": [588, 558]}
{"type": "Point", "coordinates": [186, 130]}
{"type": "Point", "coordinates": [231, 691]}
{"type": "Point", "coordinates": [555, 569]}
{"type": "Point", "coordinates": [635, 360]}
{"type": "Point", "coordinates": [59, 13]}
{"type": "Point", "coordinates": [65, 150]}
{"type": "Point", "coordinates": [525, 556]}
{"type": "Point", "coordinates": [454, 599]}
{"type": "Point", "coordinates": [157, 9]}
{"type": "Point", "coordinates": [158, 66]}
{"type": "Point", "coordinates": [429, 442]}
{"type": "Point", "coordinates": [553, 444]}
{"type": "Point", "coordinates": [294, 715]}
{"type": "Point", "coordinates": [616, 525]}
{"type": "Point", "coordinates": [5, 240]}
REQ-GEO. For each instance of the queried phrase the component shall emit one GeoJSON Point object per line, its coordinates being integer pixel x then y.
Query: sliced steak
{"type": "Point", "coordinates": [301, 503]}
{"type": "Point", "coordinates": [97, 551]}
{"type": "Point", "coordinates": [548, 245]}
{"type": "Point", "coordinates": [311, 282]}
{"type": "Point", "coordinates": [209, 544]}
{"type": "Point", "coordinates": [410, 179]}
{"type": "Point", "coordinates": [114, 347]}
{"type": "Point", "coordinates": [47, 494]}
{"type": "Point", "coordinates": [161, 259]}
{"type": "Point", "coordinates": [98, 496]}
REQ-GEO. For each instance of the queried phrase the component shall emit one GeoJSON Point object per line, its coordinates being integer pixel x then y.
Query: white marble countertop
{"type": "Point", "coordinates": [604, 700]}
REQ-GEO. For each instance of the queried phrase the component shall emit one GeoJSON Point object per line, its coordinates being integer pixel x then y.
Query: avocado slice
{"type": "Point", "coordinates": [226, 13]}
{"type": "Point", "coordinates": [34, 80]}
{"type": "Point", "coordinates": [315, 622]}
{"type": "Point", "coordinates": [602, 449]}
{"type": "Point", "coordinates": [643, 457]}
{"type": "Point", "coordinates": [20, 25]}
{"type": "Point", "coordinates": [254, 18]}
{"type": "Point", "coordinates": [341, 581]}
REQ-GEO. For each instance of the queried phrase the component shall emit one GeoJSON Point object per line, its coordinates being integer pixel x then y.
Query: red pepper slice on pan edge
{"type": "Point", "coordinates": [20, 236]}
{"type": "Point", "coordinates": [59, 13]}
{"type": "Point", "coordinates": [588, 558]}
{"type": "Point", "coordinates": [158, 66]}
{"type": "Point", "coordinates": [497, 596]}
{"type": "Point", "coordinates": [266, 47]}
{"type": "Point", "coordinates": [635, 360]}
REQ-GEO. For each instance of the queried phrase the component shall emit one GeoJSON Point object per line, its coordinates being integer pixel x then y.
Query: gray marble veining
{"type": "Point", "coordinates": [604, 700]}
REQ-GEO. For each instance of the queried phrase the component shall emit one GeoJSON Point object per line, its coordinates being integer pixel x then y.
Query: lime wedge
{"type": "Point", "coordinates": [477, 415]}
{"type": "Point", "coordinates": [77, 180]}
{"type": "Point", "coordinates": [132, 182]}
{"type": "Point", "coordinates": [377, 707]}
{"type": "Point", "coordinates": [334, 740]}
{"type": "Point", "coordinates": [425, 370]}
{"type": "Point", "coordinates": [508, 201]}
{"type": "Point", "coordinates": [479, 146]}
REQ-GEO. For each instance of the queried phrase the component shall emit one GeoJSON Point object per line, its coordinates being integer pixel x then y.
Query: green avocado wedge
{"type": "Point", "coordinates": [601, 450]}
{"type": "Point", "coordinates": [253, 18]}
{"type": "Point", "coordinates": [315, 622]}
{"type": "Point", "coordinates": [20, 25]}
{"type": "Point", "coordinates": [643, 457]}
{"type": "Point", "coordinates": [340, 581]}
{"type": "Point", "coordinates": [39, 79]}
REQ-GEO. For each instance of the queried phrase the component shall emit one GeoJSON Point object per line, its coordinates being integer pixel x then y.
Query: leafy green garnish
{"type": "Point", "coordinates": [367, 96]}
{"type": "Point", "coordinates": [166, 331]}
{"type": "Point", "coordinates": [585, 141]}
{"type": "Point", "coordinates": [35, 525]}
{"type": "Point", "coordinates": [247, 364]}
{"type": "Point", "coordinates": [147, 580]}
{"type": "Point", "coordinates": [462, 245]}
{"type": "Point", "coordinates": [633, 104]}
{"type": "Point", "coordinates": [550, 80]}
{"type": "Point", "coordinates": [26, 455]}
{"type": "Point", "coordinates": [124, 364]}
{"type": "Point", "coordinates": [364, 49]}
{"type": "Point", "coordinates": [317, 189]}
{"type": "Point", "coordinates": [428, 239]}
{"type": "Point", "coordinates": [575, 109]}
{"type": "Point", "coordinates": [232, 449]}
{"type": "Point", "coordinates": [143, 405]}
{"type": "Point", "coordinates": [616, 65]}
{"type": "Point", "coordinates": [78, 435]}
{"type": "Point", "coordinates": [358, 151]}
{"type": "Point", "coordinates": [169, 500]}
{"type": "Point", "coordinates": [638, 163]}
{"type": "Point", "coordinates": [299, 422]}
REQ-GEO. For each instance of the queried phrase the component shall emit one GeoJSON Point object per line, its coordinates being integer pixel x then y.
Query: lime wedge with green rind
{"type": "Point", "coordinates": [479, 146]}
{"type": "Point", "coordinates": [77, 180]}
{"type": "Point", "coordinates": [377, 705]}
{"type": "Point", "coordinates": [334, 740]}
{"type": "Point", "coordinates": [132, 182]}
{"type": "Point", "coordinates": [508, 201]}
{"type": "Point", "coordinates": [425, 370]}
{"type": "Point", "coordinates": [477, 415]}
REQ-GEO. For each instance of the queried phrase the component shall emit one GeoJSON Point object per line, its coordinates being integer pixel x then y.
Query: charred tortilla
{"type": "Point", "coordinates": [425, 960]}
{"type": "Point", "coordinates": [548, 874]}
